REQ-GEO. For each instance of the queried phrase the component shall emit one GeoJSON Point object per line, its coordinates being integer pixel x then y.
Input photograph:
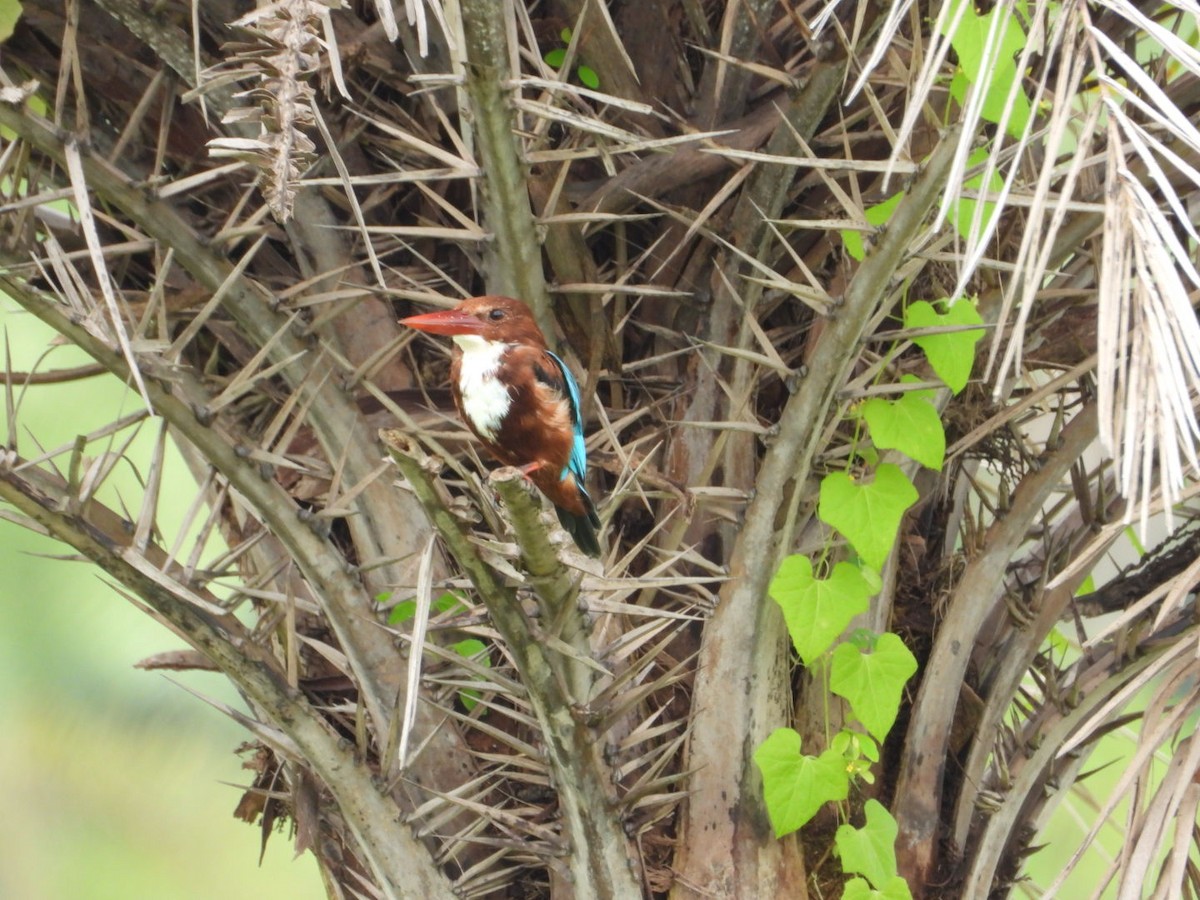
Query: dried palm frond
{"type": "Point", "coordinates": [284, 53]}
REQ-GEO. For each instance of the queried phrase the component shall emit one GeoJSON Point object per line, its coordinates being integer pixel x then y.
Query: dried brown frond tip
{"type": "Point", "coordinates": [283, 53]}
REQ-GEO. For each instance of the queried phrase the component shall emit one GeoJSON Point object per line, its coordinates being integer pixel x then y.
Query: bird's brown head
{"type": "Point", "coordinates": [497, 319]}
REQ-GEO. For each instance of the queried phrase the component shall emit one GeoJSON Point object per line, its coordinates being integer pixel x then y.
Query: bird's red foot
{"type": "Point", "coordinates": [529, 468]}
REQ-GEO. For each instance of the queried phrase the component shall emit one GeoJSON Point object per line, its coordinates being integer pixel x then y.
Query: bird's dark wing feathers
{"type": "Point", "coordinates": [551, 377]}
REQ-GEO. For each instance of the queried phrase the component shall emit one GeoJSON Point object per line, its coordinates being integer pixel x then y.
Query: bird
{"type": "Point", "coordinates": [521, 401]}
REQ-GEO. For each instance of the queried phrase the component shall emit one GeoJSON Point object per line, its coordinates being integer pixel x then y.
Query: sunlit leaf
{"type": "Point", "coordinates": [10, 12]}
{"type": "Point", "coordinates": [870, 851]}
{"type": "Point", "coordinates": [952, 354]}
{"type": "Point", "coordinates": [796, 786]}
{"type": "Point", "coordinates": [818, 610]}
{"type": "Point", "coordinates": [876, 215]}
{"type": "Point", "coordinates": [962, 213]}
{"type": "Point", "coordinates": [910, 424]}
{"type": "Point", "coordinates": [872, 681]}
{"type": "Point", "coordinates": [970, 43]}
{"type": "Point", "coordinates": [896, 889]}
{"type": "Point", "coordinates": [868, 513]}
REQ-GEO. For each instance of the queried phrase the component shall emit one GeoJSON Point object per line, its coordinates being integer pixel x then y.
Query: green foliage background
{"type": "Point", "coordinates": [110, 777]}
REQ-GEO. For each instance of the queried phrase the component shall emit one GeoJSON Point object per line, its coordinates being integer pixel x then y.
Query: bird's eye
{"type": "Point", "coordinates": [496, 315]}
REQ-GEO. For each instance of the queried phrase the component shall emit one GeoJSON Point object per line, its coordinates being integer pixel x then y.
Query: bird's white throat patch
{"type": "Point", "coordinates": [485, 398]}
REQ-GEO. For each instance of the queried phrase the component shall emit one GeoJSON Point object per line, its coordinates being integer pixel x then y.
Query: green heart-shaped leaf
{"type": "Point", "coordinates": [951, 354]}
{"type": "Point", "coordinates": [818, 610]}
{"type": "Point", "coordinates": [796, 786]}
{"type": "Point", "coordinates": [910, 424]}
{"type": "Point", "coordinates": [872, 682]}
{"type": "Point", "coordinates": [868, 513]}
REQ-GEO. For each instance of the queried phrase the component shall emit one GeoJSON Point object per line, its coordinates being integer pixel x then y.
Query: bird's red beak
{"type": "Point", "coordinates": [446, 321]}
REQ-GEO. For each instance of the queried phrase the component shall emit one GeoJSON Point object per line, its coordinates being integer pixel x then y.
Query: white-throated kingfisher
{"type": "Point", "coordinates": [521, 401]}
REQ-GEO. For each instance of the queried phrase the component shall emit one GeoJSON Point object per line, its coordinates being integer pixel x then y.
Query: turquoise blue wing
{"type": "Point", "coordinates": [577, 465]}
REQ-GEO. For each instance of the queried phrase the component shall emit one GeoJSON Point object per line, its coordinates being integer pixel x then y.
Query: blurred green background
{"type": "Point", "coordinates": [113, 781]}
